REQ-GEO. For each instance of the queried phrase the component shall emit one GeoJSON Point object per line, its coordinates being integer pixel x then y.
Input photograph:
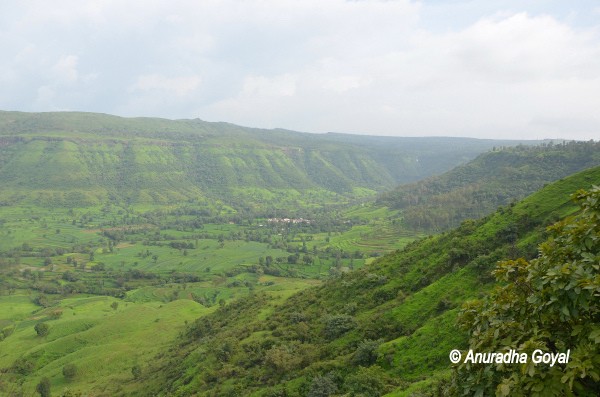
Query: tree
{"type": "Point", "coordinates": [23, 366]}
{"type": "Point", "coordinates": [337, 325]}
{"type": "Point", "coordinates": [69, 276]}
{"type": "Point", "coordinates": [550, 303]}
{"type": "Point", "coordinates": [41, 329]}
{"type": "Point", "coordinates": [41, 300]}
{"type": "Point", "coordinates": [44, 387]}
{"type": "Point", "coordinates": [69, 371]}
{"type": "Point", "coordinates": [283, 358]}
{"type": "Point", "coordinates": [369, 382]}
{"type": "Point", "coordinates": [322, 386]}
{"type": "Point", "coordinates": [56, 314]}
{"type": "Point", "coordinates": [366, 353]}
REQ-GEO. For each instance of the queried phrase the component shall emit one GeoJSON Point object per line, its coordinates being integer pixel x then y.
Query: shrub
{"type": "Point", "coordinates": [136, 371]}
{"type": "Point", "coordinates": [322, 386]}
{"type": "Point", "coordinates": [337, 325]}
{"type": "Point", "coordinates": [549, 303]}
{"type": "Point", "coordinates": [366, 353]}
{"type": "Point", "coordinates": [369, 382]}
{"type": "Point", "coordinates": [42, 329]}
{"type": "Point", "coordinates": [23, 366]}
{"type": "Point", "coordinates": [69, 371]}
{"type": "Point", "coordinates": [283, 358]}
{"type": "Point", "coordinates": [44, 387]}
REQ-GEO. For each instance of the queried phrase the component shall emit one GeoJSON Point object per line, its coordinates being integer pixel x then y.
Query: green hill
{"type": "Point", "coordinates": [83, 159]}
{"type": "Point", "coordinates": [145, 247]}
{"type": "Point", "coordinates": [494, 178]}
{"type": "Point", "coordinates": [385, 328]}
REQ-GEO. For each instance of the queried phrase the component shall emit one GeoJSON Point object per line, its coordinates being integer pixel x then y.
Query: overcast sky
{"type": "Point", "coordinates": [482, 68]}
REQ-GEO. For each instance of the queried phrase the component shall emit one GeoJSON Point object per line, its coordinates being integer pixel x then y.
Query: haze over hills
{"type": "Point", "coordinates": [82, 159]}
{"type": "Point", "coordinates": [492, 179]}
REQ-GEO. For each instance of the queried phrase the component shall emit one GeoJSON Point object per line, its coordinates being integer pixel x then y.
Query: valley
{"type": "Point", "coordinates": [129, 276]}
{"type": "Point", "coordinates": [191, 258]}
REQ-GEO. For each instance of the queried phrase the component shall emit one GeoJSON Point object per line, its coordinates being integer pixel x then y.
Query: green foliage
{"type": "Point", "coordinates": [136, 371]}
{"type": "Point", "coordinates": [42, 329]}
{"type": "Point", "coordinates": [44, 387]}
{"type": "Point", "coordinates": [366, 353]}
{"type": "Point", "coordinates": [23, 366]}
{"type": "Point", "coordinates": [337, 325]}
{"type": "Point", "coordinates": [42, 300]}
{"type": "Point", "coordinates": [283, 358]}
{"type": "Point", "coordinates": [369, 382]}
{"type": "Point", "coordinates": [180, 234]}
{"type": "Point", "coordinates": [549, 303]}
{"type": "Point", "coordinates": [71, 393]}
{"type": "Point", "coordinates": [69, 371]}
{"type": "Point", "coordinates": [392, 321]}
{"type": "Point", "coordinates": [498, 177]}
{"type": "Point", "coordinates": [322, 386]}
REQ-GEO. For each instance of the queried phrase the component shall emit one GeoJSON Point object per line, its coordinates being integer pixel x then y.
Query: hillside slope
{"type": "Point", "coordinates": [494, 178]}
{"type": "Point", "coordinates": [82, 159]}
{"type": "Point", "coordinates": [386, 327]}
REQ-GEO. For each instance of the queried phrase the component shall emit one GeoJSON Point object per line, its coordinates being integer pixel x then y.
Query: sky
{"type": "Point", "coordinates": [524, 69]}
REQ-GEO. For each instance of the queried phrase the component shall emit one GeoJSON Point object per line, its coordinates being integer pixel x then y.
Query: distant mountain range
{"type": "Point", "coordinates": [494, 178]}
{"type": "Point", "coordinates": [82, 159]}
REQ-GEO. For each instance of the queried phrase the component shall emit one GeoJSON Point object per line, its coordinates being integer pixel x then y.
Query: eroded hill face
{"type": "Point", "coordinates": [84, 159]}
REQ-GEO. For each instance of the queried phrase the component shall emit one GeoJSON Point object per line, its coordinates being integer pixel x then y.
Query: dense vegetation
{"type": "Point", "coordinates": [84, 159]}
{"type": "Point", "coordinates": [549, 303]}
{"type": "Point", "coordinates": [388, 326]}
{"type": "Point", "coordinates": [492, 179]}
{"type": "Point", "coordinates": [148, 256]}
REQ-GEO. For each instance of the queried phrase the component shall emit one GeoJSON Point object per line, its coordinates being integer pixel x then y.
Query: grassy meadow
{"type": "Point", "coordinates": [117, 284]}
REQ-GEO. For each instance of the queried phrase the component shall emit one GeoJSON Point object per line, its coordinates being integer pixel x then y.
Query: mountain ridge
{"type": "Point", "coordinates": [493, 178]}
{"type": "Point", "coordinates": [77, 159]}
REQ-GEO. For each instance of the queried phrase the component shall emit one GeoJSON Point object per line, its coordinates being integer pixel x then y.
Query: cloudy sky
{"type": "Point", "coordinates": [480, 68]}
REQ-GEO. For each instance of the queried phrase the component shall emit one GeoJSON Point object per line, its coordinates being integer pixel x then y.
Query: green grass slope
{"type": "Point", "coordinates": [382, 329]}
{"type": "Point", "coordinates": [492, 179]}
{"type": "Point", "coordinates": [82, 159]}
{"type": "Point", "coordinates": [102, 342]}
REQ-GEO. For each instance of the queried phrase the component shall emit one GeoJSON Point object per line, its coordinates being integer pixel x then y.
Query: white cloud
{"type": "Point", "coordinates": [45, 95]}
{"type": "Point", "coordinates": [520, 47]}
{"type": "Point", "coordinates": [178, 86]}
{"type": "Point", "coordinates": [277, 86]}
{"type": "Point", "coordinates": [345, 83]}
{"type": "Point", "coordinates": [363, 66]}
{"type": "Point", "coordinates": [66, 69]}
{"type": "Point", "coordinates": [495, 77]}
